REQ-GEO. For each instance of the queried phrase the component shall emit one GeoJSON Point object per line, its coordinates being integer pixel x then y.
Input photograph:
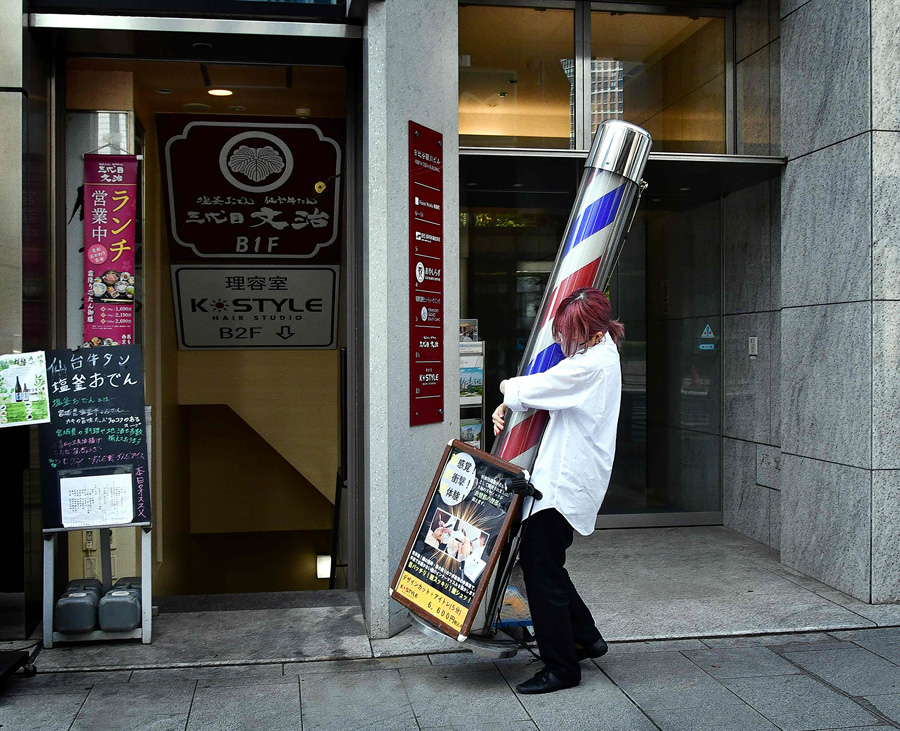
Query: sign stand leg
{"type": "Point", "coordinates": [49, 560]}
{"type": "Point", "coordinates": [146, 586]}
{"type": "Point", "coordinates": [106, 558]}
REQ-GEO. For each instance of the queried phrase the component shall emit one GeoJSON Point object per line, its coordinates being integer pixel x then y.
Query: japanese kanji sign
{"type": "Point", "coordinates": [242, 188]}
{"type": "Point", "coordinates": [96, 430]}
{"type": "Point", "coordinates": [426, 276]}
{"type": "Point", "coordinates": [110, 205]}
{"type": "Point", "coordinates": [278, 307]}
{"type": "Point", "coordinates": [457, 540]}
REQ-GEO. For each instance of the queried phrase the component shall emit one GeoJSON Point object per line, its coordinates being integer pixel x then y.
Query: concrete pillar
{"type": "Point", "coordinates": [840, 290]}
{"type": "Point", "coordinates": [402, 81]}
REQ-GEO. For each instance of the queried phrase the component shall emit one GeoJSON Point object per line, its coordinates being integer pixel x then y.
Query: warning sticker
{"type": "Point", "coordinates": [707, 332]}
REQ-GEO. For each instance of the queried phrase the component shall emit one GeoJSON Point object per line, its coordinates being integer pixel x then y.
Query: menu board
{"type": "Point", "coordinates": [426, 270]}
{"type": "Point", "coordinates": [457, 539]}
{"type": "Point", "coordinates": [94, 469]}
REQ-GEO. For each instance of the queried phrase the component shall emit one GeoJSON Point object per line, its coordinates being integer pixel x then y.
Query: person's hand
{"type": "Point", "coordinates": [465, 549]}
{"type": "Point", "coordinates": [497, 418]}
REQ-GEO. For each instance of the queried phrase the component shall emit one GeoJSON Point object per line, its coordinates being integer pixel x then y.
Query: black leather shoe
{"type": "Point", "coordinates": [598, 649]}
{"type": "Point", "coordinates": [544, 682]}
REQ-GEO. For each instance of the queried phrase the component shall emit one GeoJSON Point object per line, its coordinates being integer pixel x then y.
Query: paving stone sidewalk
{"type": "Point", "coordinates": [797, 682]}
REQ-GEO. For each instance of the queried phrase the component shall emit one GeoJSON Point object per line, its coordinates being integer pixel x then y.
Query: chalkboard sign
{"type": "Point", "coordinates": [457, 539]}
{"type": "Point", "coordinates": [94, 469]}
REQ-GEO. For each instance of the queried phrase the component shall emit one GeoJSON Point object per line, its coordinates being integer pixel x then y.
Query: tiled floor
{"type": "Point", "coordinates": [693, 613]}
{"type": "Point", "coordinates": [796, 682]}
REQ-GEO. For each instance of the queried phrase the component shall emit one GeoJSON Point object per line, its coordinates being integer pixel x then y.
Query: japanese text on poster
{"type": "Point", "coordinates": [23, 389]}
{"type": "Point", "coordinates": [99, 499]}
{"type": "Point", "coordinates": [96, 421]}
{"type": "Point", "coordinates": [110, 208]}
{"type": "Point", "coordinates": [464, 523]}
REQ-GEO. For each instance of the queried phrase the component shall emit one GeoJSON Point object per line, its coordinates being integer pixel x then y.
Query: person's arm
{"type": "Point", "coordinates": [563, 386]}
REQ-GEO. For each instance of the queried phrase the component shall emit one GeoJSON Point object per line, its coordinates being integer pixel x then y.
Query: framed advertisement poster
{"type": "Point", "coordinates": [457, 539]}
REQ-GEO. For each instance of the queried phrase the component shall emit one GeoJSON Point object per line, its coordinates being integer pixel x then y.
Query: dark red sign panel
{"type": "Point", "coordinates": [426, 275]}
{"type": "Point", "coordinates": [241, 188]}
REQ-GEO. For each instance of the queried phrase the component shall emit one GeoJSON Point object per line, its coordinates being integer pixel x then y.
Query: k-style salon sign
{"type": "Point", "coordinates": [242, 188]}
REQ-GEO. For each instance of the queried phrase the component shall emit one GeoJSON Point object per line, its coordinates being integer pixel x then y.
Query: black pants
{"type": "Point", "coordinates": [559, 615]}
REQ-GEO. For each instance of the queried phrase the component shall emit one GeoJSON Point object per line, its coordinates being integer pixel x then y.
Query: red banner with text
{"type": "Point", "coordinates": [110, 209]}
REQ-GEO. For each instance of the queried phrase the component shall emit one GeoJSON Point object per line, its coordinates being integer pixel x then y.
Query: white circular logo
{"type": "Point", "coordinates": [256, 162]}
{"type": "Point", "coordinates": [420, 272]}
{"type": "Point", "coordinates": [458, 478]}
{"type": "Point", "coordinates": [424, 314]}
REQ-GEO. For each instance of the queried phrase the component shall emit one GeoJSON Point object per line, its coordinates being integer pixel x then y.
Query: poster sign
{"type": "Point", "coordinates": [110, 207]}
{"type": "Point", "coordinates": [471, 374]}
{"type": "Point", "coordinates": [95, 497]}
{"type": "Point", "coordinates": [426, 270]}
{"type": "Point", "coordinates": [457, 539]}
{"type": "Point", "coordinates": [242, 188]}
{"type": "Point", "coordinates": [23, 389]}
{"type": "Point", "coordinates": [95, 441]}
{"type": "Point", "coordinates": [280, 307]}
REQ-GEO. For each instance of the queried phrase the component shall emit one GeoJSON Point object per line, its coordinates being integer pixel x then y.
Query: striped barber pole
{"type": "Point", "coordinates": [601, 216]}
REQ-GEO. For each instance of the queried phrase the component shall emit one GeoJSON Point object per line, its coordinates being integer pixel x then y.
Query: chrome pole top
{"type": "Point", "coordinates": [621, 148]}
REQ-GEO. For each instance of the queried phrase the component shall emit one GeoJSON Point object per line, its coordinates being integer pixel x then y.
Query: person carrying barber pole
{"type": "Point", "coordinates": [582, 394]}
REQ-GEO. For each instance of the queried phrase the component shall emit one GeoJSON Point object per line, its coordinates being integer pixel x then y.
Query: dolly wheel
{"type": "Point", "coordinates": [30, 670]}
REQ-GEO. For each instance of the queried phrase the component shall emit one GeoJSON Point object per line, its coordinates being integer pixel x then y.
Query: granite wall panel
{"type": "Point", "coordinates": [826, 226]}
{"type": "Point", "coordinates": [886, 386]}
{"type": "Point", "coordinates": [885, 536]}
{"type": "Point", "coordinates": [747, 250]}
{"type": "Point", "coordinates": [745, 505]}
{"type": "Point", "coordinates": [825, 74]}
{"type": "Point", "coordinates": [748, 378]}
{"type": "Point", "coordinates": [886, 214]}
{"type": "Point", "coordinates": [826, 514]}
{"type": "Point", "coordinates": [827, 383]}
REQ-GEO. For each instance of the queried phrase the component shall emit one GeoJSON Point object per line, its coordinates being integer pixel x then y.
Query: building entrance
{"type": "Point", "coordinates": [666, 291]}
{"type": "Point", "coordinates": [246, 426]}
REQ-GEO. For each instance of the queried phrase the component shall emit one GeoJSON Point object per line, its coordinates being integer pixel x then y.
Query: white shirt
{"type": "Point", "coordinates": [575, 458]}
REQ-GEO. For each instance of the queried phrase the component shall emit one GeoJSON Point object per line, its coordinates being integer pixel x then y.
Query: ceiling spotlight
{"type": "Point", "coordinates": [197, 106]}
{"type": "Point", "coordinates": [203, 46]}
{"type": "Point", "coordinates": [219, 92]}
{"type": "Point", "coordinates": [471, 185]}
{"type": "Point", "coordinates": [303, 112]}
{"type": "Point", "coordinates": [163, 91]}
{"type": "Point", "coordinates": [513, 81]}
{"type": "Point", "coordinates": [683, 189]}
{"type": "Point", "coordinates": [656, 200]}
{"type": "Point", "coordinates": [502, 93]}
{"type": "Point", "coordinates": [518, 185]}
{"type": "Point", "coordinates": [492, 104]}
{"type": "Point", "coordinates": [237, 108]}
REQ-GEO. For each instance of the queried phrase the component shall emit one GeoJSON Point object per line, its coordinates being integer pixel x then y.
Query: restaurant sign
{"type": "Point", "coordinates": [241, 188]}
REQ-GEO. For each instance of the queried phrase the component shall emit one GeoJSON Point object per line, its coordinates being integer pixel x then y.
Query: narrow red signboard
{"type": "Point", "coordinates": [110, 212]}
{"type": "Point", "coordinates": [426, 276]}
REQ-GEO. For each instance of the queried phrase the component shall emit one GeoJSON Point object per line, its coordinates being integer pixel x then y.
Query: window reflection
{"type": "Point", "coordinates": [665, 73]}
{"type": "Point", "coordinates": [516, 73]}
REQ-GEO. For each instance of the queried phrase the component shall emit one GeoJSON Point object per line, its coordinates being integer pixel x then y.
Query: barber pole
{"type": "Point", "coordinates": [604, 209]}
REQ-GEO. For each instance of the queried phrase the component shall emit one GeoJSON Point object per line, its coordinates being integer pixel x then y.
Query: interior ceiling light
{"type": "Point", "coordinates": [219, 92]}
{"type": "Point", "coordinates": [237, 108]}
{"type": "Point", "coordinates": [163, 91]}
{"type": "Point", "coordinates": [203, 46]}
{"type": "Point", "coordinates": [518, 185]}
{"type": "Point", "coordinates": [502, 93]}
{"type": "Point", "coordinates": [197, 106]}
{"type": "Point", "coordinates": [471, 185]}
{"type": "Point", "coordinates": [683, 189]}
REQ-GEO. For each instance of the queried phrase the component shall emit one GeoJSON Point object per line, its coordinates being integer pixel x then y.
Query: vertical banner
{"type": "Point", "coordinates": [110, 207]}
{"type": "Point", "coordinates": [426, 269]}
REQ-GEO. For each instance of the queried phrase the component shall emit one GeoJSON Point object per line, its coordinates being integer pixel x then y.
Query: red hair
{"type": "Point", "coordinates": [580, 316]}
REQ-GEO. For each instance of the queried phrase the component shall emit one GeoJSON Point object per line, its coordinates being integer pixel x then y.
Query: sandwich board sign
{"type": "Point", "coordinates": [457, 539]}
